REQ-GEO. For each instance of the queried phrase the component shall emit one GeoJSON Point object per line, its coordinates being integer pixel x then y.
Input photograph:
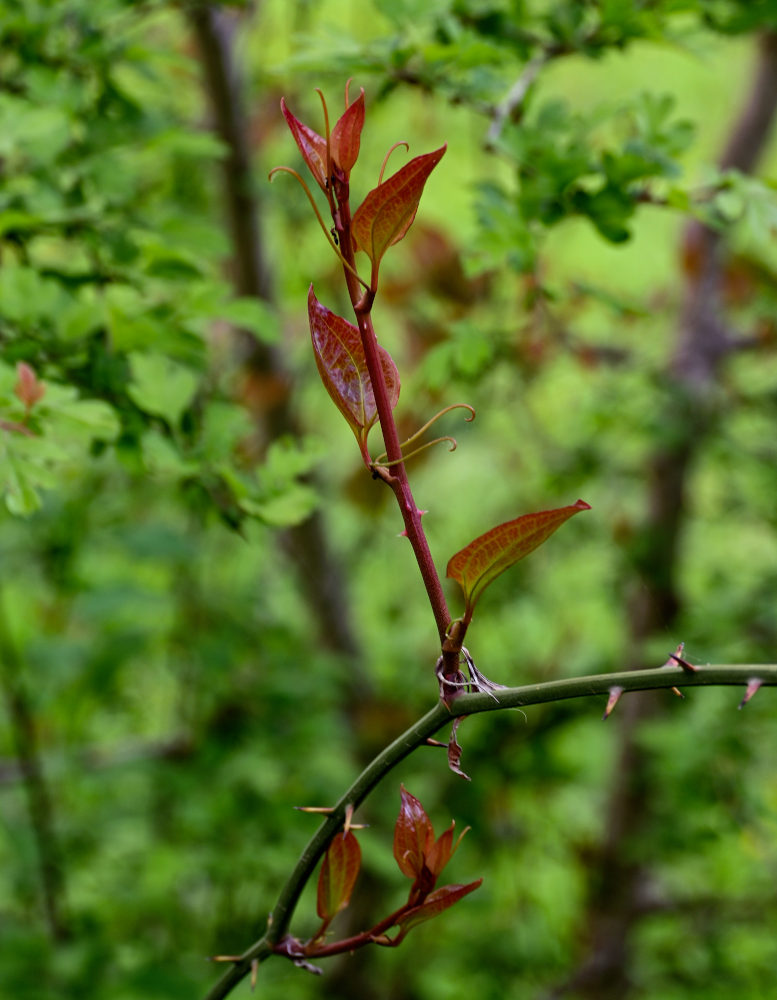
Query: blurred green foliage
{"type": "Point", "coordinates": [182, 697]}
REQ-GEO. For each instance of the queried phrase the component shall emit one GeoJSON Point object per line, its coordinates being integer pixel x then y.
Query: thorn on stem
{"type": "Point", "coordinates": [326, 810]}
{"type": "Point", "coordinates": [678, 692]}
{"type": "Point", "coordinates": [434, 743]}
{"type": "Point", "coordinates": [752, 686]}
{"type": "Point", "coordinates": [612, 701]}
{"type": "Point", "coordinates": [254, 971]}
{"type": "Point", "coordinates": [677, 658]}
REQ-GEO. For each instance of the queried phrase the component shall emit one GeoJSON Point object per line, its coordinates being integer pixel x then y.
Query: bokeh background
{"type": "Point", "coordinates": [206, 615]}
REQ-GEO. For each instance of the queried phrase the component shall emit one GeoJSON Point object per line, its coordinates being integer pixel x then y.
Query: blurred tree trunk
{"type": "Point", "coordinates": [319, 573]}
{"type": "Point", "coordinates": [21, 717]}
{"type": "Point", "coordinates": [620, 885]}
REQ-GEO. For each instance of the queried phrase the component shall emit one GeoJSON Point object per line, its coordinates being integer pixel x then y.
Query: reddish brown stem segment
{"type": "Point", "coordinates": [397, 478]}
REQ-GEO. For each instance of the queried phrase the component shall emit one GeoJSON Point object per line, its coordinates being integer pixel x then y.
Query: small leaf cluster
{"type": "Point", "coordinates": [421, 857]}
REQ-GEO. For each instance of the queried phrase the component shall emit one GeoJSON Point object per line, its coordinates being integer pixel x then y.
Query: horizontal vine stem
{"type": "Point", "coordinates": [419, 732]}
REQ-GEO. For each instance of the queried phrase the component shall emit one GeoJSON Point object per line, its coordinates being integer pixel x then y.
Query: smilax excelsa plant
{"type": "Point", "coordinates": [364, 383]}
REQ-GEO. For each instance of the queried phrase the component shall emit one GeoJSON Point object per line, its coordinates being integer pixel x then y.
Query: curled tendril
{"type": "Point", "coordinates": [327, 135]}
{"type": "Point", "coordinates": [381, 459]}
{"type": "Point", "coordinates": [454, 406]}
{"type": "Point", "coordinates": [386, 157]}
{"type": "Point", "coordinates": [381, 462]}
{"type": "Point", "coordinates": [311, 199]}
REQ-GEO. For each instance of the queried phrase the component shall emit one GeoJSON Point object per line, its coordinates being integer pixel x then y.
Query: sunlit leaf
{"type": "Point", "coordinates": [388, 211]}
{"type": "Point", "coordinates": [482, 561]}
{"type": "Point", "coordinates": [345, 137]}
{"type": "Point", "coordinates": [343, 368]}
{"type": "Point", "coordinates": [413, 835]}
{"type": "Point", "coordinates": [338, 875]}
{"type": "Point", "coordinates": [311, 145]}
{"type": "Point", "coordinates": [434, 904]}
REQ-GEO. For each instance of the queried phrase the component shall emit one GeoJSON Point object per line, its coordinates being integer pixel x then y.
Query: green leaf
{"type": "Point", "coordinates": [253, 315]}
{"type": "Point", "coordinates": [489, 555]}
{"type": "Point", "coordinates": [286, 509]}
{"type": "Point", "coordinates": [161, 386]}
{"type": "Point", "coordinates": [86, 417]}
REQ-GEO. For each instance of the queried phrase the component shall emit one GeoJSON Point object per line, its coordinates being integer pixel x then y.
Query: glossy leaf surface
{"type": "Point", "coordinates": [482, 561]}
{"type": "Point", "coordinates": [434, 904]}
{"type": "Point", "coordinates": [413, 835]}
{"type": "Point", "coordinates": [388, 211]}
{"type": "Point", "coordinates": [338, 875]}
{"type": "Point", "coordinates": [343, 368]}
{"type": "Point", "coordinates": [345, 137]}
{"type": "Point", "coordinates": [311, 145]}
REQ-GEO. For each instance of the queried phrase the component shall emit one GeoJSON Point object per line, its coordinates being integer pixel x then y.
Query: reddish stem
{"type": "Point", "coordinates": [397, 478]}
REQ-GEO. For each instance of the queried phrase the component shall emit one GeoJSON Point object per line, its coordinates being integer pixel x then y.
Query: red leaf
{"type": "Point", "coordinates": [388, 211]}
{"type": "Point", "coordinates": [434, 904]}
{"type": "Point", "coordinates": [413, 835]}
{"type": "Point", "coordinates": [311, 145]}
{"type": "Point", "coordinates": [443, 849]}
{"type": "Point", "coordinates": [344, 140]}
{"type": "Point", "coordinates": [490, 554]}
{"type": "Point", "coordinates": [28, 386]}
{"type": "Point", "coordinates": [343, 368]}
{"type": "Point", "coordinates": [338, 875]}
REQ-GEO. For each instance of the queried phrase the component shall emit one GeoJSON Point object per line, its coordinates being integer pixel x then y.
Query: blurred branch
{"type": "Point", "coordinates": [319, 573]}
{"type": "Point", "coordinates": [39, 804]}
{"type": "Point", "coordinates": [416, 736]}
{"type": "Point", "coordinates": [98, 759]}
{"type": "Point", "coordinates": [510, 107]}
{"type": "Point", "coordinates": [689, 411]}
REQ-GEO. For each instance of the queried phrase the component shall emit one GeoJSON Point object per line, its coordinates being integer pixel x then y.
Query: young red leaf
{"type": "Point", "coordinates": [28, 386]}
{"type": "Point", "coordinates": [413, 835]}
{"type": "Point", "coordinates": [388, 211]}
{"type": "Point", "coordinates": [311, 145]}
{"type": "Point", "coordinates": [338, 875]}
{"type": "Point", "coordinates": [492, 553]}
{"type": "Point", "coordinates": [435, 903]}
{"type": "Point", "coordinates": [344, 140]}
{"type": "Point", "coordinates": [443, 849]}
{"type": "Point", "coordinates": [343, 368]}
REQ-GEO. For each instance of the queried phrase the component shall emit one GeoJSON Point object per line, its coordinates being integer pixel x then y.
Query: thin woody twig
{"type": "Point", "coordinates": [509, 108]}
{"type": "Point", "coordinates": [418, 734]}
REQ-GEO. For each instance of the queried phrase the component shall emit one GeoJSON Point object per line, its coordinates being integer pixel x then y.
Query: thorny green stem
{"type": "Point", "coordinates": [417, 735]}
